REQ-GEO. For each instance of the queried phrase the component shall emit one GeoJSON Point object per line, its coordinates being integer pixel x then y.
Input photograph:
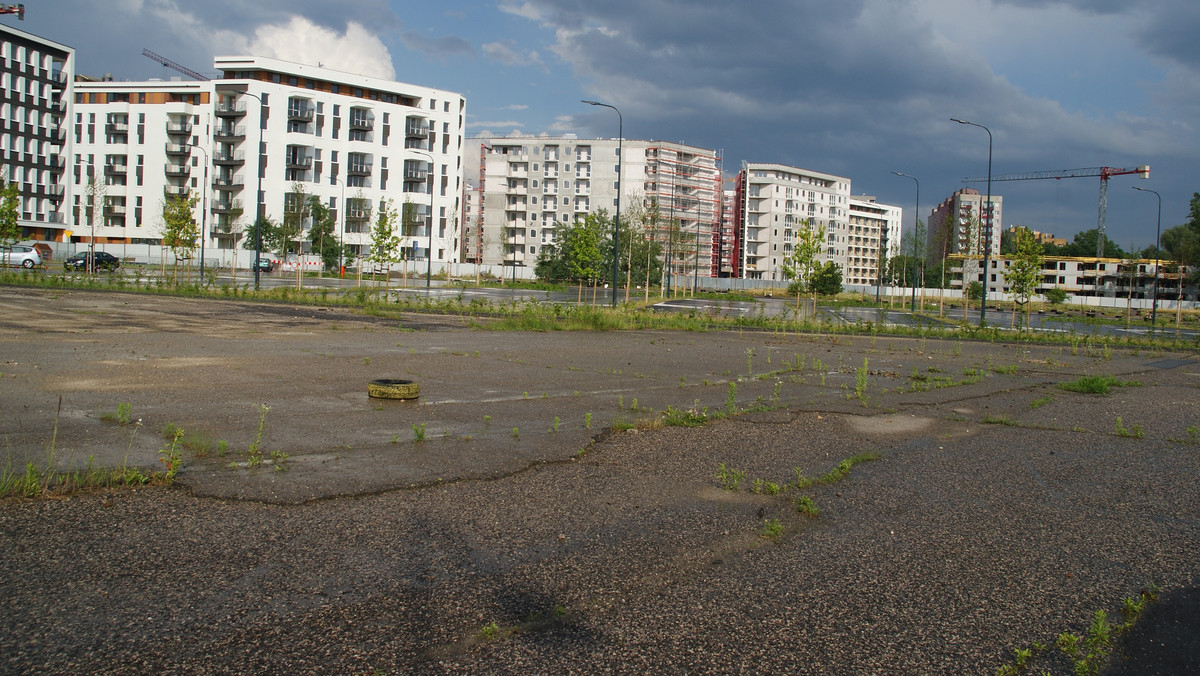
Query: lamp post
{"type": "Point", "coordinates": [617, 223]}
{"type": "Point", "coordinates": [203, 209]}
{"type": "Point", "coordinates": [1157, 234]}
{"type": "Point", "coordinates": [429, 223]}
{"type": "Point", "coordinates": [987, 212]}
{"type": "Point", "coordinates": [916, 231]}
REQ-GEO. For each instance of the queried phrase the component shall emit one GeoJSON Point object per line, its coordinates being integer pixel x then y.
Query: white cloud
{"type": "Point", "coordinates": [507, 54]}
{"type": "Point", "coordinates": [515, 106]}
{"type": "Point", "coordinates": [505, 124]}
{"type": "Point", "coordinates": [301, 41]}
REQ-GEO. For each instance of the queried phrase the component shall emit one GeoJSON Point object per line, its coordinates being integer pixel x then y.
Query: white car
{"type": "Point", "coordinates": [21, 255]}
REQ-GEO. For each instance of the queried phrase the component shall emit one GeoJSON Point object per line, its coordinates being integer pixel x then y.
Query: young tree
{"type": "Point", "coordinates": [296, 207]}
{"type": "Point", "coordinates": [10, 202]}
{"type": "Point", "coordinates": [385, 243]}
{"type": "Point", "coordinates": [583, 250]}
{"type": "Point", "coordinates": [1025, 269]}
{"type": "Point", "coordinates": [179, 227]}
{"type": "Point", "coordinates": [97, 196]}
{"type": "Point", "coordinates": [323, 236]}
{"type": "Point", "coordinates": [800, 264]}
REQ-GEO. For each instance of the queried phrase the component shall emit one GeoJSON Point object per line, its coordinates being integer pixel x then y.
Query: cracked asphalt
{"type": "Point", "coordinates": [531, 532]}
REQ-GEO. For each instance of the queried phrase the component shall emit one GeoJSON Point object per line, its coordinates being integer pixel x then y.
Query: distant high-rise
{"type": "Point", "coordinates": [37, 76]}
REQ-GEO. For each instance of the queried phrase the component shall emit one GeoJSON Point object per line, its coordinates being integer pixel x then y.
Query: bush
{"type": "Point", "coordinates": [1055, 296]}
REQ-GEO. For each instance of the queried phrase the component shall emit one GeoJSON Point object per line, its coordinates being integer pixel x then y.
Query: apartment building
{"type": "Point", "coordinates": [776, 202]}
{"type": "Point", "coordinates": [872, 238]}
{"type": "Point", "coordinates": [1084, 277]}
{"type": "Point", "coordinates": [959, 225]}
{"type": "Point", "coordinates": [531, 186]}
{"type": "Point", "coordinates": [36, 79]}
{"type": "Point", "coordinates": [243, 143]}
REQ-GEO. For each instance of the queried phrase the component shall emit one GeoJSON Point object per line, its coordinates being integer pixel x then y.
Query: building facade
{"type": "Point", "coordinates": [252, 142]}
{"type": "Point", "coordinates": [1128, 279]}
{"type": "Point", "coordinates": [959, 225]}
{"type": "Point", "coordinates": [776, 202]}
{"type": "Point", "coordinates": [529, 187]}
{"type": "Point", "coordinates": [36, 79]}
{"type": "Point", "coordinates": [873, 238]}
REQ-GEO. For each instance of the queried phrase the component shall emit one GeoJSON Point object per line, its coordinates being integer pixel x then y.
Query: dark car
{"type": "Point", "coordinates": [104, 261]}
{"type": "Point", "coordinates": [264, 264]}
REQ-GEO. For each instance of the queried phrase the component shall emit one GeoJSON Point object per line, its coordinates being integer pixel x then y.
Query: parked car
{"type": "Point", "coordinates": [22, 255]}
{"type": "Point", "coordinates": [264, 264]}
{"type": "Point", "coordinates": [104, 261]}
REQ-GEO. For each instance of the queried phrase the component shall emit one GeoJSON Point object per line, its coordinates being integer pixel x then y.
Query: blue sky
{"type": "Point", "coordinates": [858, 88]}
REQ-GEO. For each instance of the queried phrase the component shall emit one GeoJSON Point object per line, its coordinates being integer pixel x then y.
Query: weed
{"type": "Point", "coordinates": [729, 478]}
{"type": "Point", "coordinates": [367, 361]}
{"type": "Point", "coordinates": [418, 432]}
{"type": "Point", "coordinates": [222, 448]}
{"type": "Point", "coordinates": [1096, 384]}
{"type": "Point", "coordinates": [762, 486]}
{"type": "Point", "coordinates": [487, 420]}
{"type": "Point", "coordinates": [255, 451]}
{"type": "Point", "coordinates": [675, 417]}
{"type": "Point", "coordinates": [999, 420]}
{"type": "Point", "coordinates": [587, 421]}
{"type": "Point", "coordinates": [1041, 401]}
{"type": "Point", "coordinates": [123, 413]}
{"type": "Point", "coordinates": [805, 505]}
{"type": "Point", "coordinates": [731, 398]}
{"type": "Point", "coordinates": [1006, 370]}
{"type": "Point", "coordinates": [395, 438]}
{"type": "Point", "coordinates": [749, 361]}
{"type": "Point", "coordinates": [516, 433]}
{"type": "Point", "coordinates": [554, 428]}
{"type": "Point", "coordinates": [771, 528]}
{"type": "Point", "coordinates": [170, 457]}
{"type": "Point", "coordinates": [489, 631]}
{"type": "Point", "coordinates": [843, 468]}
{"type": "Point", "coordinates": [278, 458]}
{"type": "Point", "coordinates": [633, 406]}
{"type": "Point", "coordinates": [1077, 428]}
{"type": "Point", "coordinates": [1068, 643]}
{"type": "Point", "coordinates": [860, 381]}
{"type": "Point", "coordinates": [801, 480]}
{"type": "Point", "coordinates": [1134, 433]}
{"type": "Point", "coordinates": [1193, 436]}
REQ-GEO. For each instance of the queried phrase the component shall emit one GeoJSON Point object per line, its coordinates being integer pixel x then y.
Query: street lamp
{"type": "Point", "coordinates": [617, 223]}
{"type": "Point", "coordinates": [987, 212]}
{"type": "Point", "coordinates": [429, 222]}
{"type": "Point", "coordinates": [916, 231]}
{"type": "Point", "coordinates": [1157, 234]}
{"type": "Point", "coordinates": [203, 210]}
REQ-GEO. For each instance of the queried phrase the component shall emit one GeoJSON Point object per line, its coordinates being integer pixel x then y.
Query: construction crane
{"type": "Point", "coordinates": [19, 10]}
{"type": "Point", "coordinates": [1104, 173]}
{"type": "Point", "coordinates": [173, 66]}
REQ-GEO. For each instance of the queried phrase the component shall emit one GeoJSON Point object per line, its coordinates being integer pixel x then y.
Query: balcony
{"type": "Point", "coordinates": [173, 170]}
{"type": "Point", "coordinates": [115, 210]}
{"type": "Point", "coordinates": [415, 130]}
{"type": "Point", "coordinates": [179, 128]}
{"type": "Point", "coordinates": [229, 158]}
{"type": "Point", "coordinates": [300, 113]}
{"type": "Point", "coordinates": [358, 214]}
{"type": "Point", "coordinates": [178, 149]}
{"type": "Point", "coordinates": [361, 124]}
{"type": "Point", "coordinates": [230, 109]}
{"type": "Point", "coordinates": [177, 190]}
{"type": "Point", "coordinates": [359, 169]}
{"type": "Point", "coordinates": [228, 183]}
{"type": "Point", "coordinates": [229, 133]}
{"type": "Point", "coordinates": [116, 128]}
{"type": "Point", "coordinates": [116, 169]}
{"type": "Point", "coordinates": [299, 161]}
{"type": "Point", "coordinates": [416, 174]}
{"type": "Point", "coordinates": [226, 206]}
{"type": "Point", "coordinates": [58, 136]}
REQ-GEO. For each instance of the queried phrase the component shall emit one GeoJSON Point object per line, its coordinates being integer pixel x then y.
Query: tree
{"type": "Point", "coordinates": [1055, 296]}
{"type": "Point", "coordinates": [1084, 246]}
{"type": "Point", "coordinates": [581, 246]}
{"type": "Point", "coordinates": [10, 202]}
{"type": "Point", "coordinates": [1182, 244]}
{"type": "Point", "coordinates": [271, 237]}
{"type": "Point", "coordinates": [385, 244]}
{"type": "Point", "coordinates": [296, 206]}
{"type": "Point", "coordinates": [96, 198]}
{"type": "Point", "coordinates": [1025, 268]}
{"type": "Point", "coordinates": [800, 264]}
{"type": "Point", "coordinates": [827, 279]}
{"type": "Point", "coordinates": [179, 227]}
{"type": "Point", "coordinates": [323, 237]}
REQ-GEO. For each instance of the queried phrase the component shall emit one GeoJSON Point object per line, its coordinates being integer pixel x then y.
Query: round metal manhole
{"type": "Point", "coordinates": [386, 388]}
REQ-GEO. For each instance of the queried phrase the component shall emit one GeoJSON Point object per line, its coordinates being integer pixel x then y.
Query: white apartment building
{"type": "Point", "coordinates": [36, 78]}
{"type": "Point", "coordinates": [353, 141]}
{"type": "Point", "coordinates": [530, 186]}
{"type": "Point", "coordinates": [873, 237]}
{"type": "Point", "coordinates": [778, 201]}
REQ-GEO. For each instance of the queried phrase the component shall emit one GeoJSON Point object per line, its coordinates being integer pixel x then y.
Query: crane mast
{"type": "Point", "coordinates": [1143, 171]}
{"type": "Point", "coordinates": [174, 66]}
{"type": "Point", "coordinates": [18, 9]}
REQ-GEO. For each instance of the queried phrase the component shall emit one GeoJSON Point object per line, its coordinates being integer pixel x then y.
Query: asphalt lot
{"type": "Point", "coordinates": [1001, 510]}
